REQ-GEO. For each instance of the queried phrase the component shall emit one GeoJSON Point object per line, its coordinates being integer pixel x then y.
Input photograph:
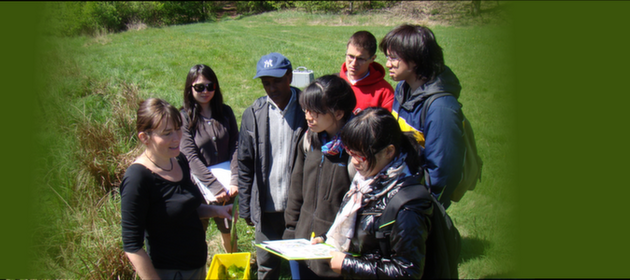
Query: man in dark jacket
{"type": "Point", "coordinates": [365, 76]}
{"type": "Point", "coordinates": [415, 59]}
{"type": "Point", "coordinates": [266, 158]}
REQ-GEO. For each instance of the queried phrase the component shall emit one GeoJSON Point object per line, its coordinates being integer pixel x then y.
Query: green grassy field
{"type": "Point", "coordinates": [93, 84]}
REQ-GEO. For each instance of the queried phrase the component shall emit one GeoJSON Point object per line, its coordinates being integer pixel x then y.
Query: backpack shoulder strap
{"type": "Point", "coordinates": [427, 104]}
{"type": "Point", "coordinates": [443, 243]}
{"type": "Point", "coordinates": [423, 116]}
{"type": "Point", "coordinates": [410, 190]}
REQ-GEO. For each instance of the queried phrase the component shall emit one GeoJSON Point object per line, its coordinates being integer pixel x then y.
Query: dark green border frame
{"type": "Point", "coordinates": [571, 59]}
{"type": "Point", "coordinates": [18, 80]}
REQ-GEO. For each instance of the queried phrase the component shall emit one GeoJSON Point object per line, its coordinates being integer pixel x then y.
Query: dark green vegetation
{"type": "Point", "coordinates": [89, 18]}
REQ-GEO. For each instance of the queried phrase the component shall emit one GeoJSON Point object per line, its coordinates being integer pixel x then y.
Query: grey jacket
{"type": "Point", "coordinates": [254, 153]}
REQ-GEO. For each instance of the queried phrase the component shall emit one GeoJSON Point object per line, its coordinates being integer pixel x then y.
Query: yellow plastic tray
{"type": "Point", "coordinates": [239, 259]}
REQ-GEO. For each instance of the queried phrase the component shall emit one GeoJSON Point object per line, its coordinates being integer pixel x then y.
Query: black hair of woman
{"type": "Point", "coordinates": [191, 107]}
{"type": "Point", "coordinates": [375, 128]}
{"type": "Point", "coordinates": [328, 94]}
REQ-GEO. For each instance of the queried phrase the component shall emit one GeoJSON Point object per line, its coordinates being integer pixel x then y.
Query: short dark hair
{"type": "Point", "coordinates": [375, 128]}
{"type": "Point", "coordinates": [191, 107]}
{"type": "Point", "coordinates": [365, 40]}
{"type": "Point", "coordinates": [415, 43]}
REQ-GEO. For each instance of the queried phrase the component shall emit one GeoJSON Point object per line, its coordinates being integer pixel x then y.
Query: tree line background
{"type": "Point", "coordinates": [90, 18]}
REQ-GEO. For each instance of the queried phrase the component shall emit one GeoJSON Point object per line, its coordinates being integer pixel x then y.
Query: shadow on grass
{"type": "Point", "coordinates": [285, 269]}
{"type": "Point", "coordinates": [472, 248]}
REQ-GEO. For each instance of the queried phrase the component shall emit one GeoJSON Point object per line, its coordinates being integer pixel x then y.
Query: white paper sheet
{"type": "Point", "coordinates": [220, 171]}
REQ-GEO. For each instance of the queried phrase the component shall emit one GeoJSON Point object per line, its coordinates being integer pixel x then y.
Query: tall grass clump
{"type": "Point", "coordinates": [79, 234]}
{"type": "Point", "coordinates": [106, 148]}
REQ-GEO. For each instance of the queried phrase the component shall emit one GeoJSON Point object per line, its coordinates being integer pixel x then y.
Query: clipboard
{"type": "Point", "coordinates": [222, 172]}
{"type": "Point", "coordinates": [297, 249]}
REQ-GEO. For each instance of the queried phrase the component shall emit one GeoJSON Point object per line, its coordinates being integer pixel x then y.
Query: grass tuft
{"type": "Point", "coordinates": [102, 149]}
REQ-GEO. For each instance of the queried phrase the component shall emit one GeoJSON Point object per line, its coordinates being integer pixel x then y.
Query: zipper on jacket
{"type": "Point", "coordinates": [319, 173]}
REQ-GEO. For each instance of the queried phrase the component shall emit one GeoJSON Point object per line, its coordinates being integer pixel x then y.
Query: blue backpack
{"type": "Point", "coordinates": [471, 171]}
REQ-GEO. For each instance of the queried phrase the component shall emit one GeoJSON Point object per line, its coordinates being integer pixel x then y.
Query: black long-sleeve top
{"type": "Point", "coordinates": [165, 214]}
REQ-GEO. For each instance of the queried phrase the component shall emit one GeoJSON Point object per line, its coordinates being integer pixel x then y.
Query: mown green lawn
{"type": "Point", "coordinates": [87, 76]}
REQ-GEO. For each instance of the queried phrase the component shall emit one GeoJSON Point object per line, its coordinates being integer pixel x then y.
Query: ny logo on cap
{"type": "Point", "coordinates": [268, 63]}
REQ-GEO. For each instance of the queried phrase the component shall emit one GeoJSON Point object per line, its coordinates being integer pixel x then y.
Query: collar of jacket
{"type": "Point", "coordinates": [376, 74]}
{"type": "Point", "coordinates": [261, 102]}
{"type": "Point", "coordinates": [445, 82]}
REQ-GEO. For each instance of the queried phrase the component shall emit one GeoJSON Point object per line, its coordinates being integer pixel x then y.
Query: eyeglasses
{"type": "Point", "coordinates": [357, 59]}
{"type": "Point", "coordinates": [361, 159]}
{"type": "Point", "coordinates": [393, 60]}
{"type": "Point", "coordinates": [313, 114]}
{"type": "Point", "coordinates": [201, 87]}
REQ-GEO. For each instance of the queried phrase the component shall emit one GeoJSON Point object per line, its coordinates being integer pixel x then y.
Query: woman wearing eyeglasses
{"type": "Point", "coordinates": [210, 136]}
{"type": "Point", "coordinates": [384, 158]}
{"type": "Point", "coordinates": [320, 176]}
{"type": "Point", "coordinates": [160, 205]}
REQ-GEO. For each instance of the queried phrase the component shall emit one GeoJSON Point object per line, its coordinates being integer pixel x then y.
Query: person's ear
{"type": "Point", "coordinates": [339, 115]}
{"type": "Point", "coordinates": [390, 151]}
{"type": "Point", "coordinates": [143, 137]}
{"type": "Point", "coordinates": [412, 65]}
{"type": "Point", "coordinates": [289, 76]}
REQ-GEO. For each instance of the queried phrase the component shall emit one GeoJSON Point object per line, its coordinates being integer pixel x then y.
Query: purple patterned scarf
{"type": "Point", "coordinates": [333, 147]}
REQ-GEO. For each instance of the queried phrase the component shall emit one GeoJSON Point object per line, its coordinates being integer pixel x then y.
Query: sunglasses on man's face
{"type": "Point", "coordinates": [202, 87]}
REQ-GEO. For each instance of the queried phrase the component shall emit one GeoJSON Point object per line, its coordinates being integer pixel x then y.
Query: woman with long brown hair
{"type": "Point", "coordinates": [161, 204]}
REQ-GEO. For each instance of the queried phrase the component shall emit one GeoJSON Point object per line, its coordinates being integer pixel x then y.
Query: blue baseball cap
{"type": "Point", "coordinates": [272, 65]}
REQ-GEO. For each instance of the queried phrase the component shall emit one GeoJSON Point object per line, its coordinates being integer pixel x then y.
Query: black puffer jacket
{"type": "Point", "coordinates": [407, 241]}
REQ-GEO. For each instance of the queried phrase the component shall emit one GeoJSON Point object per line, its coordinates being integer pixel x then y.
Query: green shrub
{"type": "Point", "coordinates": [255, 7]}
{"type": "Point", "coordinates": [102, 15]}
{"type": "Point", "coordinates": [279, 5]}
{"type": "Point", "coordinates": [90, 18]}
{"type": "Point", "coordinates": [150, 12]}
{"type": "Point", "coordinates": [374, 5]}
{"type": "Point", "coordinates": [321, 6]}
